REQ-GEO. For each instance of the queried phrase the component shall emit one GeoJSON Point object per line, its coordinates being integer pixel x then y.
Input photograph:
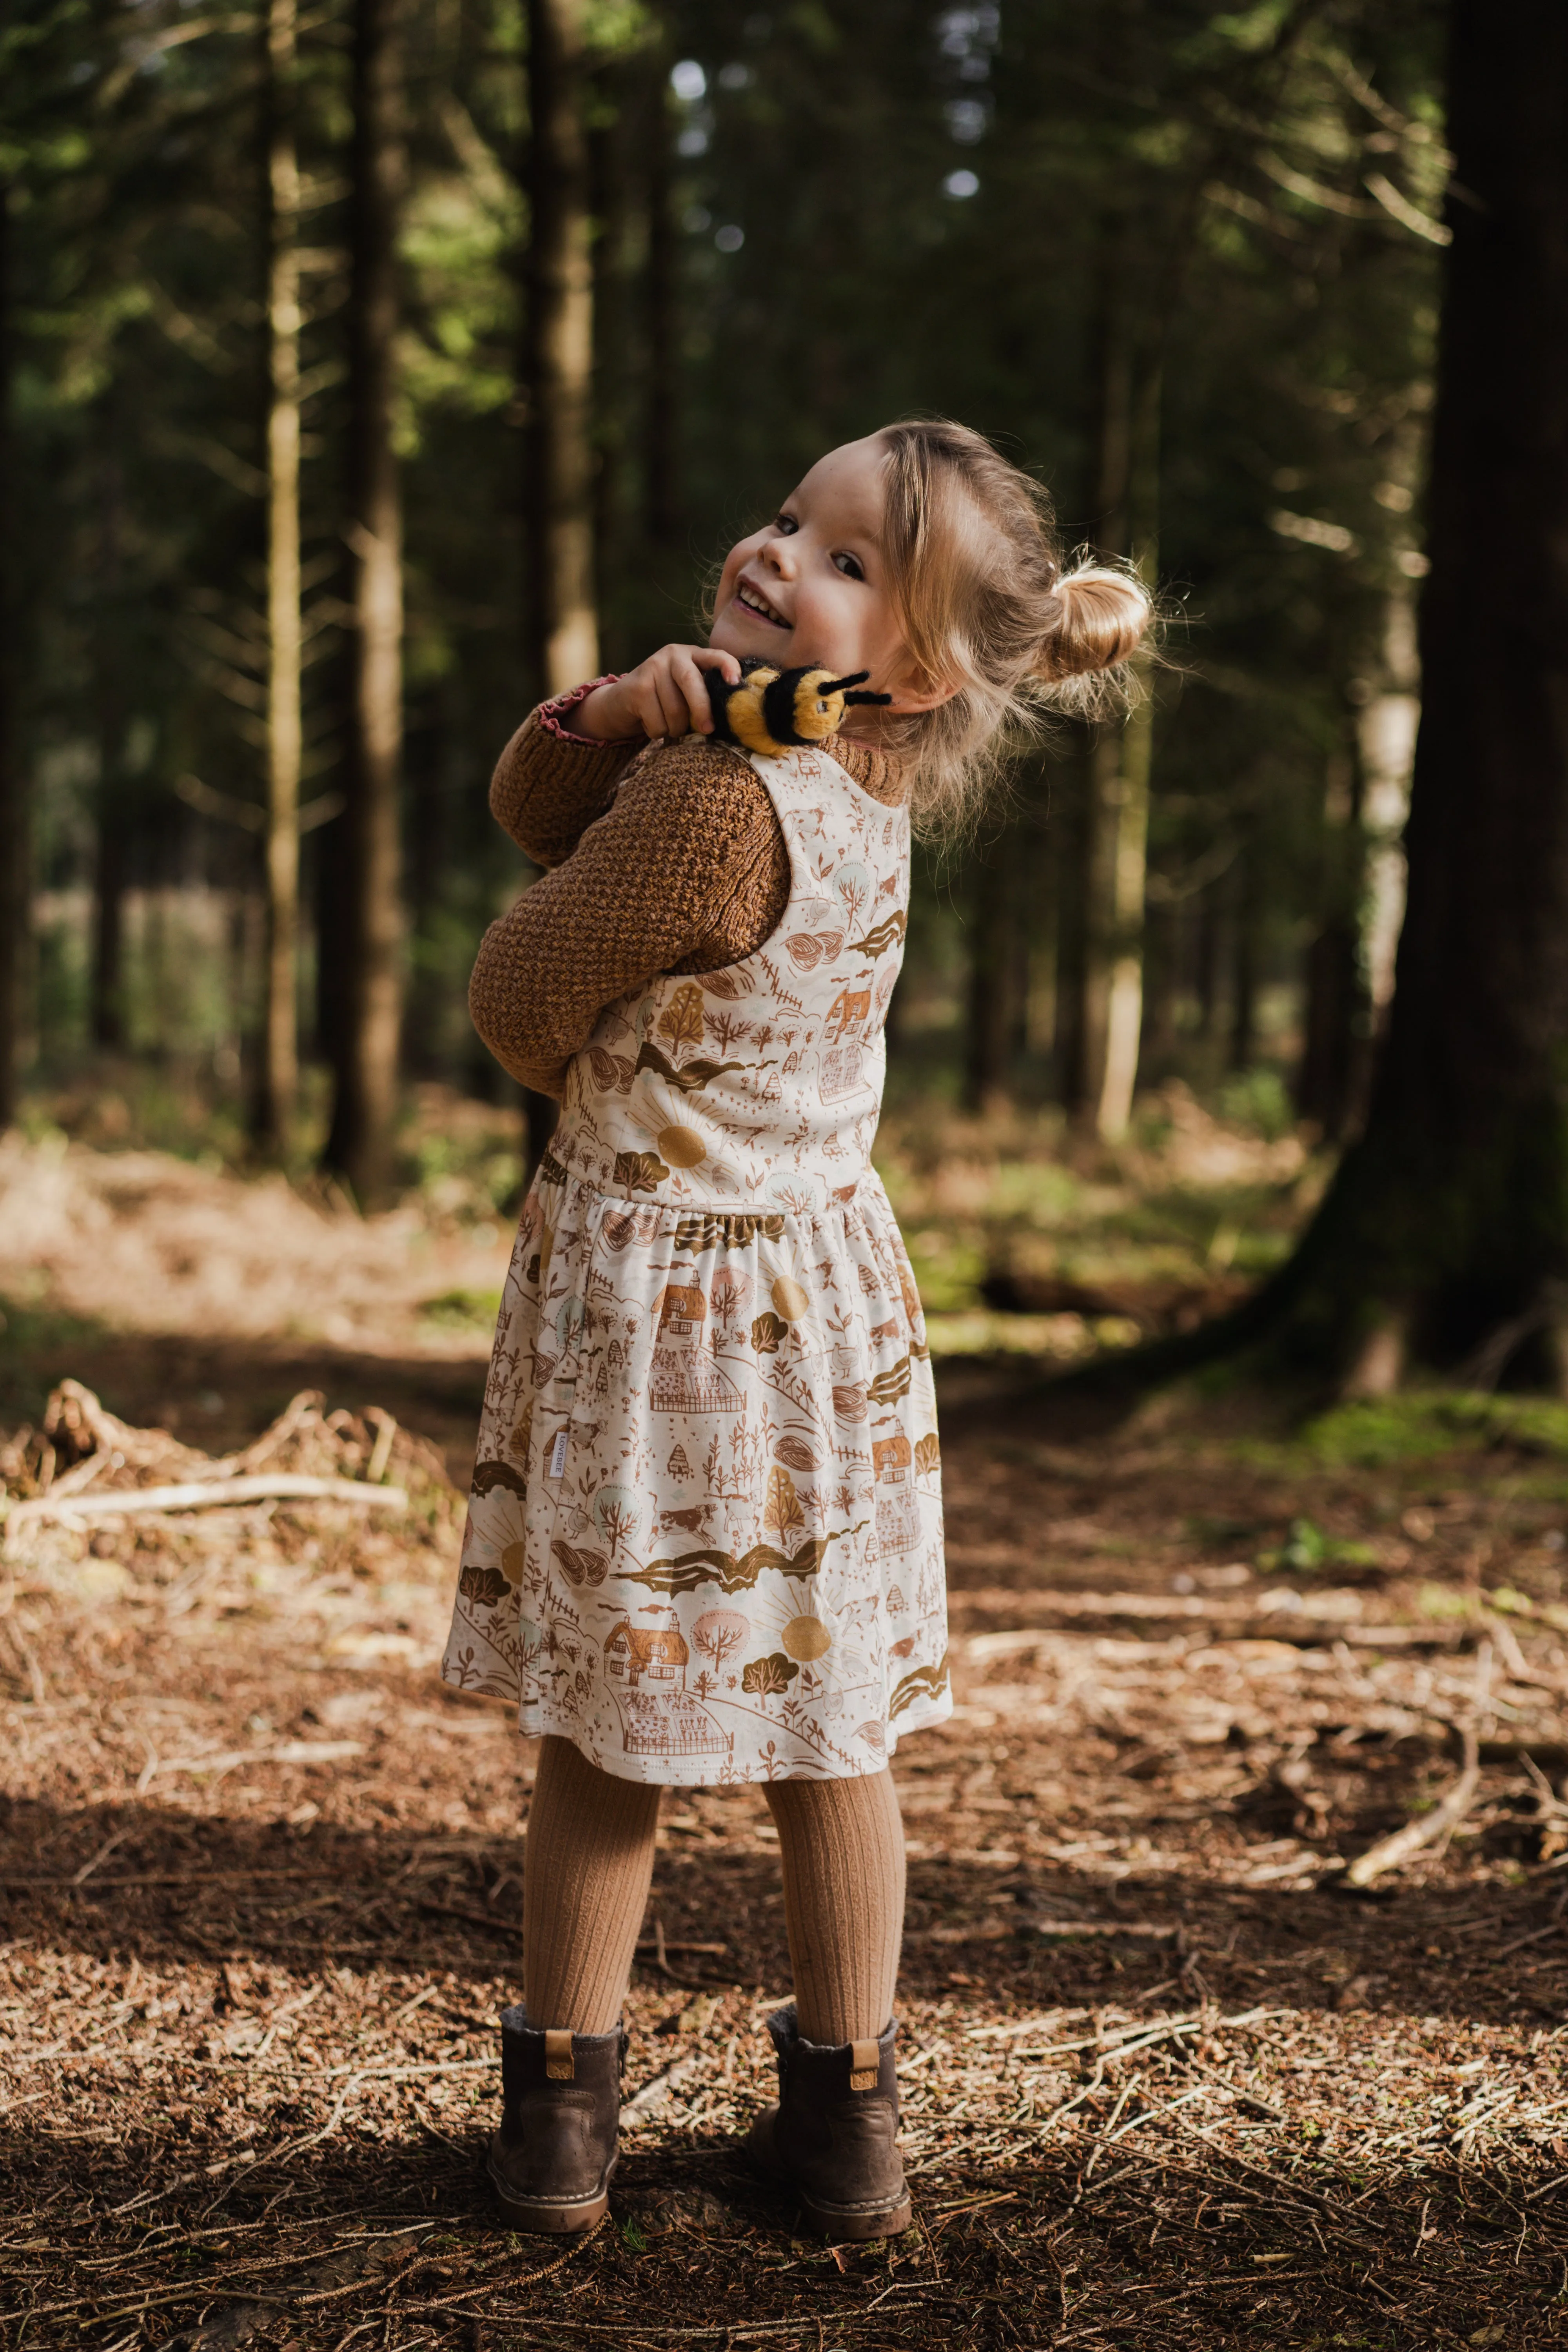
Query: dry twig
{"type": "Point", "coordinates": [1449, 1812]}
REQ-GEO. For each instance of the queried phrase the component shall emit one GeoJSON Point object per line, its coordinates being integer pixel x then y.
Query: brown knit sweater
{"type": "Point", "coordinates": [665, 859]}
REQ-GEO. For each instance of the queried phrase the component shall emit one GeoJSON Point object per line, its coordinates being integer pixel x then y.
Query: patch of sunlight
{"type": "Point", "coordinates": [461, 1309]}
{"type": "Point", "coordinates": [948, 1268]}
{"type": "Point", "coordinates": [977, 1332]}
{"type": "Point", "coordinates": [1446, 1601]}
{"type": "Point", "coordinates": [1041, 1190]}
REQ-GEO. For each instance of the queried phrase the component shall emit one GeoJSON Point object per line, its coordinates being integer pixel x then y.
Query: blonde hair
{"type": "Point", "coordinates": [983, 599]}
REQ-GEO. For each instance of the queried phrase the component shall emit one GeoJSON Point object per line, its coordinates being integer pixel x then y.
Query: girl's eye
{"type": "Point", "coordinates": [850, 565]}
{"type": "Point", "coordinates": [785, 523]}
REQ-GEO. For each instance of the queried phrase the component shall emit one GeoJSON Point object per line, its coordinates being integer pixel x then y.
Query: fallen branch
{"type": "Point", "coordinates": [668, 2079]}
{"type": "Point", "coordinates": [292, 1751]}
{"type": "Point", "coordinates": [1446, 1816]}
{"type": "Point", "coordinates": [1301, 1628]}
{"type": "Point", "coordinates": [135, 1502]}
{"type": "Point", "coordinates": [990, 1931]}
{"type": "Point", "coordinates": [673, 1943]}
{"type": "Point", "coordinates": [1449, 1812]}
{"type": "Point", "coordinates": [1519, 1604]}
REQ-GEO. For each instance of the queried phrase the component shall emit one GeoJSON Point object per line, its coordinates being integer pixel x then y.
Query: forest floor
{"type": "Point", "coordinates": [1169, 2081]}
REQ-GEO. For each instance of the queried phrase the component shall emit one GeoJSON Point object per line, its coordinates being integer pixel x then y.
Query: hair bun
{"type": "Point", "coordinates": [1104, 616]}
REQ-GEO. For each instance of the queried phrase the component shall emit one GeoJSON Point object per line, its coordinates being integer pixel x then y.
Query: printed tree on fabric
{"type": "Point", "coordinates": [781, 1510]}
{"type": "Point", "coordinates": [719, 1634]}
{"type": "Point", "coordinates": [728, 1296]}
{"type": "Point", "coordinates": [681, 1019]}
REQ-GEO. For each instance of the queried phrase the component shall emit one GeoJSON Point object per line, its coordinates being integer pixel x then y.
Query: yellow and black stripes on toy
{"type": "Point", "coordinates": [770, 711]}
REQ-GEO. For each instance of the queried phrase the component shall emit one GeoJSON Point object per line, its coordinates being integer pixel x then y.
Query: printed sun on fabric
{"type": "Point", "coordinates": [704, 1541]}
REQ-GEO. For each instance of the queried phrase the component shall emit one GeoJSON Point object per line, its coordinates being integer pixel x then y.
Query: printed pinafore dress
{"type": "Point", "coordinates": [704, 1541]}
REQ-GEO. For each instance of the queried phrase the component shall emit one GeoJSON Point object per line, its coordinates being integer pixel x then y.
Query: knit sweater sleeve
{"type": "Point", "coordinates": [685, 869]}
{"type": "Point", "coordinates": [550, 784]}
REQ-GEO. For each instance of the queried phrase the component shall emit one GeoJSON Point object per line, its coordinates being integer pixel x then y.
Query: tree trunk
{"type": "Point", "coordinates": [613, 144]}
{"type": "Point", "coordinates": [106, 1007]}
{"type": "Point", "coordinates": [558, 385]}
{"type": "Point", "coordinates": [558, 356]}
{"type": "Point", "coordinates": [1447, 1225]}
{"type": "Point", "coordinates": [1243, 1043]}
{"type": "Point", "coordinates": [277, 1080]}
{"type": "Point", "coordinates": [1077, 1021]}
{"type": "Point", "coordinates": [360, 1146]}
{"type": "Point", "coordinates": [1125, 756]}
{"type": "Point", "coordinates": [1126, 813]}
{"type": "Point", "coordinates": [1205, 961]}
{"type": "Point", "coordinates": [1325, 1083]}
{"type": "Point", "coordinates": [660, 473]}
{"type": "Point", "coordinates": [993, 1010]}
{"type": "Point", "coordinates": [1102, 999]}
{"type": "Point", "coordinates": [1386, 743]}
{"type": "Point", "coordinates": [1328, 1090]}
{"type": "Point", "coordinates": [16, 828]}
{"type": "Point", "coordinates": [1161, 981]}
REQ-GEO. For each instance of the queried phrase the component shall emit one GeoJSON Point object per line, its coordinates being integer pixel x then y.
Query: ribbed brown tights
{"type": "Point", "coordinates": [590, 1863]}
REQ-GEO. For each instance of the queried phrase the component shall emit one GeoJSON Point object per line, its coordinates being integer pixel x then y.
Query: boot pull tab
{"type": "Point", "coordinates": [559, 2063]}
{"type": "Point", "coordinates": [865, 2069]}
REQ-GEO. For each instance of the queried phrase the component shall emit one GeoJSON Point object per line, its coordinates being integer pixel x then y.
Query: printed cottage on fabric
{"type": "Point", "coordinates": [705, 1541]}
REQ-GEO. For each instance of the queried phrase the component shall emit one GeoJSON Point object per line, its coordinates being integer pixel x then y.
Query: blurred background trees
{"type": "Point", "coordinates": [372, 367]}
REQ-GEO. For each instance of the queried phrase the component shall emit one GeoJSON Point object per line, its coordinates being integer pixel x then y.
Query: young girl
{"type": "Point", "coordinates": [705, 1539]}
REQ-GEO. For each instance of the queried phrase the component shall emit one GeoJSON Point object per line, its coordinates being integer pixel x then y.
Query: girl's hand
{"type": "Point", "coordinates": [665, 695]}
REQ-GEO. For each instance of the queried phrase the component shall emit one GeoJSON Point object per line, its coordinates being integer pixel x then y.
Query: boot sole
{"type": "Point", "coordinates": [553, 2219]}
{"type": "Point", "coordinates": [845, 2223]}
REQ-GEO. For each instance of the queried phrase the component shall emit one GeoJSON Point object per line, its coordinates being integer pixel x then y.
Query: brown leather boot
{"type": "Point", "coordinates": [832, 2138]}
{"type": "Point", "coordinates": [550, 2163]}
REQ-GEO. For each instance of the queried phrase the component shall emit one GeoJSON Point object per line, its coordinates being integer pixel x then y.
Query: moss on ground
{"type": "Point", "coordinates": [1418, 1424]}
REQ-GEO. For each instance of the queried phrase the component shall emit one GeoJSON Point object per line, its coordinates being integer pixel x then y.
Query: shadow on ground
{"type": "Point", "coordinates": [178, 1887]}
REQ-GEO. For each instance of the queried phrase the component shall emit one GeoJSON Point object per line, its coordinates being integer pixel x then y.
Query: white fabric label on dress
{"type": "Point", "coordinates": [558, 1455]}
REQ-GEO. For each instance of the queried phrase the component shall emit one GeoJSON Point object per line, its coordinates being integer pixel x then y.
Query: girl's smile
{"type": "Point", "coordinates": [752, 597]}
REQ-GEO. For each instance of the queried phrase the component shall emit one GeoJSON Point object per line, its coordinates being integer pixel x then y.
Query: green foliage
{"type": "Point", "coordinates": [1308, 1551]}
{"type": "Point", "coordinates": [462, 1310]}
{"type": "Point", "coordinates": [1204, 171]}
{"type": "Point", "coordinates": [1419, 1424]}
{"type": "Point", "coordinates": [1257, 1098]}
{"type": "Point", "coordinates": [39, 1347]}
{"type": "Point", "coordinates": [1446, 1601]}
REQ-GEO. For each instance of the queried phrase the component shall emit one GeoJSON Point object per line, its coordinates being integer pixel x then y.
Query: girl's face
{"type": "Point", "coordinates": [810, 588]}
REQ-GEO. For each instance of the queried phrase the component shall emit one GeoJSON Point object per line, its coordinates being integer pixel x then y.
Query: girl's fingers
{"type": "Point", "coordinates": [671, 702]}
{"type": "Point", "coordinates": [687, 679]}
{"type": "Point", "coordinates": [667, 694]}
{"type": "Point", "coordinates": [709, 658]}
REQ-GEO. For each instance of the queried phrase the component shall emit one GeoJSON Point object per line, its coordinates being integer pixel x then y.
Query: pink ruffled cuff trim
{"type": "Point", "coordinates": [552, 713]}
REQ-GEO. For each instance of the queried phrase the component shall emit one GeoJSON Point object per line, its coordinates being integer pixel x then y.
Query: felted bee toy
{"type": "Point", "coordinates": [772, 709]}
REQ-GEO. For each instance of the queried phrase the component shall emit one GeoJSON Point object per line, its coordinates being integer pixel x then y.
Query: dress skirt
{"type": "Point", "coordinates": [705, 1537]}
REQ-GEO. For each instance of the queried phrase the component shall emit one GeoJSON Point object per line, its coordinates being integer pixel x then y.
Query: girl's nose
{"type": "Point", "coordinates": [779, 553]}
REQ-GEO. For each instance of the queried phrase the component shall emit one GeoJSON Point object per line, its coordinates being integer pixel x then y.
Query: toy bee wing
{"type": "Point", "coordinates": [774, 710]}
